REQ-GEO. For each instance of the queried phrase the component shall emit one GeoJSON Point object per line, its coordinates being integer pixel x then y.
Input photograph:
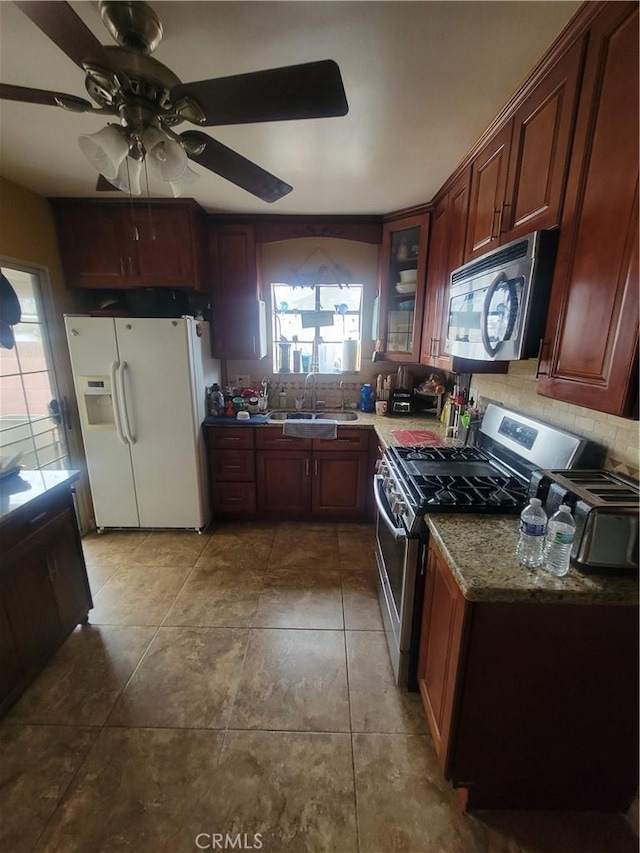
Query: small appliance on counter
{"type": "Point", "coordinates": [401, 399]}
{"type": "Point", "coordinates": [606, 509]}
{"type": "Point", "coordinates": [401, 402]}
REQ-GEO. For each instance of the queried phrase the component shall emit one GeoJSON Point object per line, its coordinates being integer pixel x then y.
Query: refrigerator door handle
{"type": "Point", "coordinates": [114, 397]}
{"type": "Point", "coordinates": [131, 439]}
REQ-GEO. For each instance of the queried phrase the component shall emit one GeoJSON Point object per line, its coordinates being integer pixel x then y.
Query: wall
{"type": "Point", "coordinates": [28, 234]}
{"type": "Point", "coordinates": [517, 390]}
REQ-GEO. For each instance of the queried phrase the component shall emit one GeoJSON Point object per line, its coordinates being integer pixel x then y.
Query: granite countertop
{"type": "Point", "coordinates": [382, 424]}
{"type": "Point", "coordinates": [18, 490]}
{"type": "Point", "coordinates": [480, 550]}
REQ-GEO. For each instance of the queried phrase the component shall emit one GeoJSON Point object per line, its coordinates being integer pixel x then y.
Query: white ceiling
{"type": "Point", "coordinates": [423, 80]}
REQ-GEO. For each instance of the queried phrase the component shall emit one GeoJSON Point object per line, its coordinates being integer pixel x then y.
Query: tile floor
{"type": "Point", "coordinates": [238, 683]}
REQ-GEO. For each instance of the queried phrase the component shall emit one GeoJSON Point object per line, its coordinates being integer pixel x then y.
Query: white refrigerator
{"type": "Point", "coordinates": [141, 390]}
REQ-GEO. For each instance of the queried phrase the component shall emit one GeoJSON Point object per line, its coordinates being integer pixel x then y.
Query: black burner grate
{"type": "Point", "coordinates": [458, 479]}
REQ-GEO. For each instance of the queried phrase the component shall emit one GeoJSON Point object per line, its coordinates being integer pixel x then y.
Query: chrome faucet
{"type": "Point", "coordinates": [342, 404]}
{"type": "Point", "coordinates": [310, 380]}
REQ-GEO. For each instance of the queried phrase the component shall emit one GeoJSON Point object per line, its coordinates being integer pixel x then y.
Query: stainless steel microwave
{"type": "Point", "coordinates": [498, 303]}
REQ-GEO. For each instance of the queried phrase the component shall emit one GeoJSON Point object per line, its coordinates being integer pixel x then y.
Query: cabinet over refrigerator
{"type": "Point", "coordinates": [140, 385]}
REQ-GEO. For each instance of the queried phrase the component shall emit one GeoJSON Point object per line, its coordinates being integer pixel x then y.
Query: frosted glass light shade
{"type": "Point", "coordinates": [128, 177]}
{"type": "Point", "coordinates": [186, 179]}
{"type": "Point", "coordinates": [105, 150]}
{"type": "Point", "coordinates": [166, 157]}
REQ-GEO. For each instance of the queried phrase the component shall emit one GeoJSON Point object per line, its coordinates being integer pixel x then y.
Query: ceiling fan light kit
{"type": "Point", "coordinates": [166, 156]}
{"type": "Point", "coordinates": [149, 100]}
{"type": "Point", "coordinates": [105, 150]}
{"type": "Point", "coordinates": [128, 178]}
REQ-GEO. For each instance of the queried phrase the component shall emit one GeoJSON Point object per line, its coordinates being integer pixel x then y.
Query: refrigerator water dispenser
{"type": "Point", "coordinates": [97, 402]}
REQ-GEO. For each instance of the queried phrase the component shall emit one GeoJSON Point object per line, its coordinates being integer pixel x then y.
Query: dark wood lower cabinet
{"type": "Point", "coordinates": [44, 591]}
{"type": "Point", "coordinates": [232, 473]}
{"type": "Point", "coordinates": [260, 471]}
{"type": "Point", "coordinates": [530, 705]}
{"type": "Point", "coordinates": [283, 482]}
{"type": "Point", "coordinates": [441, 640]}
{"type": "Point", "coordinates": [339, 484]}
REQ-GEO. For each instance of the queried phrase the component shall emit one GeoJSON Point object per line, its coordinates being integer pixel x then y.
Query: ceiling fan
{"type": "Point", "coordinates": [148, 100]}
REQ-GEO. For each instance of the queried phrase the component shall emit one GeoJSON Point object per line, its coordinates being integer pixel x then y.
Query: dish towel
{"type": "Point", "coordinates": [414, 437]}
{"type": "Point", "coordinates": [318, 428]}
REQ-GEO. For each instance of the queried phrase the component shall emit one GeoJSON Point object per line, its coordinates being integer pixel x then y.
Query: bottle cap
{"type": "Point", "coordinates": [535, 501]}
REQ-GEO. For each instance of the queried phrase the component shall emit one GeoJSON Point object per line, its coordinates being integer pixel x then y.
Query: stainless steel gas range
{"type": "Point", "coordinates": [491, 477]}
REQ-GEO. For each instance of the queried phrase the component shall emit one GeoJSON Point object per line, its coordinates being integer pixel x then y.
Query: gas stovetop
{"type": "Point", "coordinates": [492, 477]}
{"type": "Point", "coordinates": [458, 478]}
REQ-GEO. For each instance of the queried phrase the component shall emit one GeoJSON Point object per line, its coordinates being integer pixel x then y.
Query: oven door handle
{"type": "Point", "coordinates": [396, 532]}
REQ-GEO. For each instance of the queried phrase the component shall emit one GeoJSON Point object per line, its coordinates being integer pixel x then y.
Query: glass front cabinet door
{"type": "Point", "coordinates": [403, 263]}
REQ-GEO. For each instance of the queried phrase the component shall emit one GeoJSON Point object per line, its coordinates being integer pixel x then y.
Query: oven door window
{"type": "Point", "coordinates": [488, 316]}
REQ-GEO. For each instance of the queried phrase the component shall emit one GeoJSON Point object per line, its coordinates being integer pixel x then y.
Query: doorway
{"type": "Point", "coordinates": [32, 411]}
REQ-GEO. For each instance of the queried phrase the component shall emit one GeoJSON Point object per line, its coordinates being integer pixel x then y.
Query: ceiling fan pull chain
{"type": "Point", "coordinates": [152, 230]}
{"type": "Point", "coordinates": [134, 228]}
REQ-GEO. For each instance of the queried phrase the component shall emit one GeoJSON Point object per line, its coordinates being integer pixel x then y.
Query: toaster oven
{"type": "Point", "coordinates": [606, 510]}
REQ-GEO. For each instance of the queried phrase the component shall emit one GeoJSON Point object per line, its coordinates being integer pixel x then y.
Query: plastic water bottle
{"type": "Point", "coordinates": [557, 547]}
{"type": "Point", "coordinates": [533, 526]}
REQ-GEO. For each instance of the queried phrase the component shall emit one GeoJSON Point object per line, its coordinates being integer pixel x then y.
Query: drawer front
{"type": "Point", "coordinates": [234, 498]}
{"type": "Point", "coordinates": [29, 520]}
{"type": "Point", "coordinates": [348, 439]}
{"type": "Point", "coordinates": [235, 438]}
{"type": "Point", "coordinates": [272, 438]}
{"type": "Point", "coordinates": [230, 465]}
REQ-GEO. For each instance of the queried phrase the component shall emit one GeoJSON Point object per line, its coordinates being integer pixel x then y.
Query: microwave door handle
{"type": "Point", "coordinates": [396, 532]}
{"type": "Point", "coordinates": [484, 316]}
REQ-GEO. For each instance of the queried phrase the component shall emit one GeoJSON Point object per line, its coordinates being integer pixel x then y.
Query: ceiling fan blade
{"type": "Point", "coordinates": [42, 96]}
{"type": "Point", "coordinates": [59, 22]}
{"type": "Point", "coordinates": [234, 167]}
{"type": "Point", "coordinates": [310, 90]}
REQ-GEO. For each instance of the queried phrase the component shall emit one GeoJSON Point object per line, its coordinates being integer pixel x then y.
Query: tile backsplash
{"type": "Point", "coordinates": [517, 390]}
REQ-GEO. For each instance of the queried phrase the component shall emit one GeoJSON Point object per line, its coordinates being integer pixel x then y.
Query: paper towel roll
{"type": "Point", "coordinates": [350, 355]}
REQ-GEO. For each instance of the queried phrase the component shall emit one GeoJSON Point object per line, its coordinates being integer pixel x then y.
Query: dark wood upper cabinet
{"type": "Point", "coordinates": [117, 245]}
{"type": "Point", "coordinates": [404, 248]}
{"type": "Point", "coordinates": [234, 294]}
{"type": "Point", "coordinates": [91, 237]}
{"type": "Point", "coordinates": [518, 177]}
{"type": "Point", "coordinates": [446, 250]}
{"type": "Point", "coordinates": [590, 350]}
{"type": "Point", "coordinates": [169, 247]}
{"type": "Point", "coordinates": [487, 194]}
{"type": "Point", "coordinates": [540, 147]}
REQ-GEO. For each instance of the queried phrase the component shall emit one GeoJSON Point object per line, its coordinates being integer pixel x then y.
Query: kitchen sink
{"type": "Point", "coordinates": [309, 416]}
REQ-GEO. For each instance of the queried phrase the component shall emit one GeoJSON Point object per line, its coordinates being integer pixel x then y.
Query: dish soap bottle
{"type": "Point", "coordinates": [282, 398]}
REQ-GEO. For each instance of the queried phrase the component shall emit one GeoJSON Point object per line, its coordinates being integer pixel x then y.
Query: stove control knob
{"type": "Point", "coordinates": [398, 507]}
{"type": "Point", "coordinates": [381, 467]}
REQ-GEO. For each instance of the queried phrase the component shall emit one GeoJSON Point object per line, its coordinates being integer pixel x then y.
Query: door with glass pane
{"type": "Point", "coordinates": [31, 410]}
